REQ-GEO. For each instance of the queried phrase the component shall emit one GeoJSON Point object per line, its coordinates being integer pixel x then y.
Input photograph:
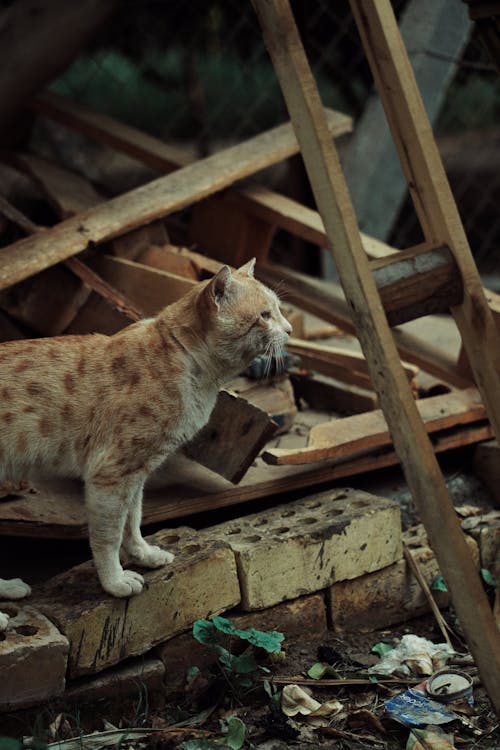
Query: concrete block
{"type": "Point", "coordinates": [485, 530]}
{"type": "Point", "coordinates": [102, 631]}
{"type": "Point", "coordinates": [119, 682]}
{"type": "Point", "coordinates": [33, 658]}
{"type": "Point", "coordinates": [304, 546]}
{"type": "Point", "coordinates": [304, 615]}
{"type": "Point", "coordinates": [391, 595]}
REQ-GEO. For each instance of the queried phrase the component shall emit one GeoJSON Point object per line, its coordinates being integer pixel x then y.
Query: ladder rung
{"type": "Point", "coordinates": [422, 280]}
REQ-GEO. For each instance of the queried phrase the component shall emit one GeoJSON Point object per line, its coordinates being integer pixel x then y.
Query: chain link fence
{"type": "Point", "coordinates": [198, 72]}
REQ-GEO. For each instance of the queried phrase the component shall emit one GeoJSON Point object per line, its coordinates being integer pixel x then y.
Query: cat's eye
{"type": "Point", "coordinates": [265, 315]}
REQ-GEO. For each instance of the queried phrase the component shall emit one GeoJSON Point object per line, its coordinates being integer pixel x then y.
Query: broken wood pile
{"type": "Point", "coordinates": [95, 263]}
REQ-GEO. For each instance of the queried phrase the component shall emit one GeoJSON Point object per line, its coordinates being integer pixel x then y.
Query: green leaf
{"type": "Point", "coordinates": [489, 578]}
{"type": "Point", "coordinates": [270, 641]}
{"type": "Point", "coordinates": [204, 631]}
{"type": "Point", "coordinates": [438, 584]}
{"type": "Point", "coordinates": [382, 648]}
{"type": "Point", "coordinates": [319, 670]}
{"type": "Point", "coordinates": [9, 743]}
{"type": "Point", "coordinates": [245, 663]}
{"type": "Point", "coordinates": [236, 732]}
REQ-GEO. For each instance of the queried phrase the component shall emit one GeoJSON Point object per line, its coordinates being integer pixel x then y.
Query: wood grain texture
{"type": "Point", "coordinates": [57, 510]}
{"type": "Point", "coordinates": [148, 202]}
{"type": "Point", "coordinates": [345, 437]}
{"type": "Point", "coordinates": [332, 198]}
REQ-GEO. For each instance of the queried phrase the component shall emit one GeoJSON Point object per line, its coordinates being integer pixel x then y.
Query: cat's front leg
{"type": "Point", "coordinates": [107, 509]}
{"type": "Point", "coordinates": [148, 555]}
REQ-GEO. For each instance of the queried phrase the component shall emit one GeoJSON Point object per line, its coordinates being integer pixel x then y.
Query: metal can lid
{"type": "Point", "coordinates": [449, 684]}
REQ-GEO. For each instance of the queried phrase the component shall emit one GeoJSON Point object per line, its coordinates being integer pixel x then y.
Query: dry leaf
{"type": "Point", "coordinates": [295, 700]}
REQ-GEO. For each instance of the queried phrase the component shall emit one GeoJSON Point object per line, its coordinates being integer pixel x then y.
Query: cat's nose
{"type": "Point", "coordinates": [286, 326]}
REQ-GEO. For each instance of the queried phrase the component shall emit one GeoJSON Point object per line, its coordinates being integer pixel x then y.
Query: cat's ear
{"type": "Point", "coordinates": [248, 268]}
{"type": "Point", "coordinates": [218, 287]}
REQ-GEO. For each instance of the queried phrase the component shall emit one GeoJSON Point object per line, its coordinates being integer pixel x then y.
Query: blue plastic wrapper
{"type": "Point", "coordinates": [414, 709]}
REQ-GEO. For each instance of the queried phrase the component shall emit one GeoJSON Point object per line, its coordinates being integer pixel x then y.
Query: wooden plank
{"type": "Point", "coordinates": [57, 510]}
{"type": "Point", "coordinates": [370, 161]}
{"type": "Point", "coordinates": [244, 236]}
{"type": "Point", "coordinates": [326, 300]}
{"type": "Point", "coordinates": [331, 395]}
{"type": "Point", "coordinates": [130, 140]}
{"type": "Point", "coordinates": [430, 190]}
{"type": "Point", "coordinates": [149, 289]}
{"type": "Point", "coordinates": [343, 438]}
{"type": "Point", "coordinates": [344, 364]}
{"type": "Point", "coordinates": [233, 437]}
{"type": "Point", "coordinates": [332, 198]}
{"type": "Point", "coordinates": [167, 258]}
{"type": "Point", "coordinates": [68, 193]}
{"type": "Point", "coordinates": [148, 202]}
{"type": "Point", "coordinates": [303, 222]}
{"type": "Point", "coordinates": [417, 282]}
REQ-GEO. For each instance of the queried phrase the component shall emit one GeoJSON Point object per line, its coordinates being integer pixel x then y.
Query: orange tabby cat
{"type": "Point", "coordinates": [111, 409]}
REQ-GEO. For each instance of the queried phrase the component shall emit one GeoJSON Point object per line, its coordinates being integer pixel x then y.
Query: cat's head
{"type": "Point", "coordinates": [243, 316]}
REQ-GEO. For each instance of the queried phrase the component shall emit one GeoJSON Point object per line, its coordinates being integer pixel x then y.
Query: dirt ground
{"type": "Point", "coordinates": [196, 718]}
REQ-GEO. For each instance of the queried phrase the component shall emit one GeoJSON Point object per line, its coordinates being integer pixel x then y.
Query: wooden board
{"type": "Point", "coordinates": [382, 41]}
{"type": "Point", "coordinates": [149, 202]}
{"type": "Point", "coordinates": [362, 432]}
{"type": "Point", "coordinates": [343, 364]}
{"type": "Point", "coordinates": [326, 300]}
{"type": "Point", "coordinates": [148, 288]}
{"type": "Point", "coordinates": [233, 437]}
{"type": "Point", "coordinates": [57, 510]}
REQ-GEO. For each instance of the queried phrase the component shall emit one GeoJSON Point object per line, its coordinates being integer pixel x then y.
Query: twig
{"type": "Point", "coordinates": [281, 680]}
{"type": "Point", "coordinates": [443, 626]}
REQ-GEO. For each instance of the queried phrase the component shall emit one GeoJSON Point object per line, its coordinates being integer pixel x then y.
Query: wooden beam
{"type": "Point", "coordinates": [148, 202]}
{"type": "Point", "coordinates": [343, 364]}
{"type": "Point", "coordinates": [149, 289]}
{"type": "Point", "coordinates": [409, 435]}
{"type": "Point", "coordinates": [344, 438]}
{"type": "Point", "coordinates": [59, 511]}
{"type": "Point", "coordinates": [132, 141]}
{"type": "Point", "coordinates": [327, 301]}
{"type": "Point", "coordinates": [417, 282]}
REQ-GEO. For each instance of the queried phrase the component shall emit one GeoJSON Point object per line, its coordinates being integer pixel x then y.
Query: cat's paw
{"type": "Point", "coordinates": [14, 588]}
{"type": "Point", "coordinates": [4, 621]}
{"type": "Point", "coordinates": [151, 556]}
{"type": "Point", "coordinates": [129, 583]}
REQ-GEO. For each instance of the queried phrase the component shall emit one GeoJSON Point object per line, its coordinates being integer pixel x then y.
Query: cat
{"type": "Point", "coordinates": [111, 409]}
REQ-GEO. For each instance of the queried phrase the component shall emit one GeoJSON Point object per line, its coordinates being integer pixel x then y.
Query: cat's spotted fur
{"type": "Point", "coordinates": [111, 409]}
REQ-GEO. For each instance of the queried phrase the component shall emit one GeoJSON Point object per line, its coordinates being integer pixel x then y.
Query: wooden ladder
{"type": "Point", "coordinates": [441, 226]}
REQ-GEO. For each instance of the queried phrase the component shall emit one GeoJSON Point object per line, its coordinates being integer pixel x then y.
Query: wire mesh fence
{"type": "Point", "coordinates": [198, 72]}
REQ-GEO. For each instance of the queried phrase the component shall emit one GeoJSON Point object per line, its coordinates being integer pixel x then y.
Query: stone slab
{"type": "Point", "coordinates": [391, 595]}
{"type": "Point", "coordinates": [102, 631]}
{"type": "Point", "coordinates": [304, 615]}
{"type": "Point", "coordinates": [33, 658]}
{"type": "Point", "coordinates": [306, 545]}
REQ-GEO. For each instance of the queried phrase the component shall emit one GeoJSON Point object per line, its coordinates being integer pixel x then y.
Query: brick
{"type": "Point", "coordinates": [118, 682]}
{"type": "Point", "coordinates": [102, 630]}
{"type": "Point", "coordinates": [302, 547]}
{"type": "Point", "coordinates": [391, 595]}
{"type": "Point", "coordinates": [304, 615]}
{"type": "Point", "coordinates": [33, 659]}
